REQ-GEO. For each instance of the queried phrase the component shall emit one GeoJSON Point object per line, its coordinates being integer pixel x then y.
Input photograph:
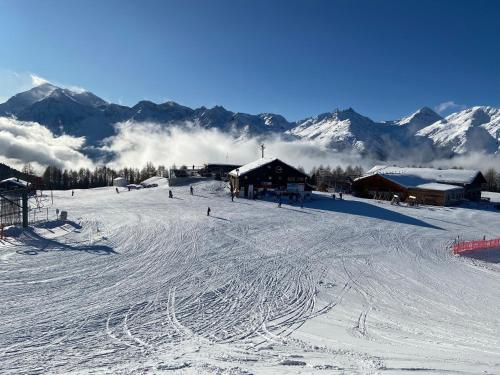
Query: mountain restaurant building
{"type": "Point", "coordinates": [268, 175]}
{"type": "Point", "coordinates": [422, 185]}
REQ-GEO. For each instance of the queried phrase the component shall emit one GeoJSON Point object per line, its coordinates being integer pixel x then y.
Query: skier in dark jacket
{"type": "Point", "coordinates": [191, 190]}
{"type": "Point", "coordinates": [170, 194]}
{"type": "Point", "coordinates": [208, 211]}
{"type": "Point", "coordinates": [117, 192]}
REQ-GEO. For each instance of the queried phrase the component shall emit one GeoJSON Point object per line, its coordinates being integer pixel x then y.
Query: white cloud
{"type": "Point", "coordinates": [12, 83]}
{"type": "Point", "coordinates": [449, 106]}
{"type": "Point", "coordinates": [138, 143]}
{"type": "Point", "coordinates": [29, 142]}
{"type": "Point", "coordinates": [37, 80]}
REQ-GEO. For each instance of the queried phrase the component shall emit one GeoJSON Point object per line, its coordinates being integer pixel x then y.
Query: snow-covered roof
{"type": "Point", "coordinates": [411, 177]}
{"type": "Point", "coordinates": [438, 186]}
{"type": "Point", "coordinates": [254, 165]}
{"type": "Point", "coordinates": [15, 181]}
{"type": "Point", "coordinates": [119, 179]}
{"type": "Point", "coordinates": [155, 180]}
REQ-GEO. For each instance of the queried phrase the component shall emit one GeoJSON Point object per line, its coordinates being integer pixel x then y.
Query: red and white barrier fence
{"type": "Point", "coordinates": [460, 247]}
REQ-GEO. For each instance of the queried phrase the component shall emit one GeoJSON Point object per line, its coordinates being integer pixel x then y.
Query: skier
{"type": "Point", "coordinates": [340, 196]}
{"type": "Point", "coordinates": [191, 190]}
{"type": "Point", "coordinates": [72, 192]}
{"type": "Point", "coordinates": [333, 196]}
{"type": "Point", "coordinates": [208, 211]}
{"type": "Point", "coordinates": [170, 194]}
{"type": "Point", "coordinates": [117, 192]}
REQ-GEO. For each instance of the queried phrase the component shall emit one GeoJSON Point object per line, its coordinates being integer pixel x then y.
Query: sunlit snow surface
{"type": "Point", "coordinates": [140, 283]}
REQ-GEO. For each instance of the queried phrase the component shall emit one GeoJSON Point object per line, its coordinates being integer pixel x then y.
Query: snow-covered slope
{"type": "Point", "coordinates": [347, 130]}
{"type": "Point", "coordinates": [418, 120]}
{"type": "Point", "coordinates": [136, 283]}
{"type": "Point", "coordinates": [25, 99]}
{"type": "Point", "coordinates": [342, 130]}
{"type": "Point", "coordinates": [474, 129]}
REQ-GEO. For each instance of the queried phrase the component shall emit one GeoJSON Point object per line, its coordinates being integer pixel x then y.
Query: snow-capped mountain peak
{"type": "Point", "coordinates": [473, 129]}
{"type": "Point", "coordinates": [419, 119]}
{"type": "Point", "coordinates": [82, 97]}
{"type": "Point", "coordinates": [341, 129]}
{"type": "Point", "coordinates": [27, 98]}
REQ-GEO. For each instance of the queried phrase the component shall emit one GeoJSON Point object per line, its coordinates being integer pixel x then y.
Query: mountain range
{"type": "Point", "coordinates": [423, 133]}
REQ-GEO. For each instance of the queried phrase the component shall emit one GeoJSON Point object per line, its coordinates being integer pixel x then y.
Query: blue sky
{"type": "Point", "coordinates": [297, 58]}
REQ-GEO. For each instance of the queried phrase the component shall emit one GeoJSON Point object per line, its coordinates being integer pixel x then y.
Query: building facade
{"type": "Point", "coordinates": [268, 175]}
{"type": "Point", "coordinates": [423, 185]}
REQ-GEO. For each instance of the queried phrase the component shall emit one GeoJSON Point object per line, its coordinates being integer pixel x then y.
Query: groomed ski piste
{"type": "Point", "coordinates": [138, 283]}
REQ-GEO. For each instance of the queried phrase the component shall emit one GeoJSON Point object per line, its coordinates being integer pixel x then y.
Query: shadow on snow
{"type": "Point", "coordinates": [359, 208]}
{"type": "Point", "coordinates": [486, 255]}
{"type": "Point", "coordinates": [37, 244]}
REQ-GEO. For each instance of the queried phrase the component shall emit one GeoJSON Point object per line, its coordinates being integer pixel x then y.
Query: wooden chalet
{"type": "Point", "coordinates": [268, 175]}
{"type": "Point", "coordinates": [423, 185]}
{"type": "Point", "coordinates": [218, 171]}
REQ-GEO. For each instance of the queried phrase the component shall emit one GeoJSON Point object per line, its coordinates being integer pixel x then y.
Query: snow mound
{"type": "Point", "coordinates": [160, 181]}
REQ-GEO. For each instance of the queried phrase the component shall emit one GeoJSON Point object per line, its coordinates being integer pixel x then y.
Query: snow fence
{"type": "Point", "coordinates": [461, 247]}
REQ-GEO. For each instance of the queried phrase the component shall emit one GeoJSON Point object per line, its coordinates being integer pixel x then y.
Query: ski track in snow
{"type": "Point", "coordinates": [141, 283]}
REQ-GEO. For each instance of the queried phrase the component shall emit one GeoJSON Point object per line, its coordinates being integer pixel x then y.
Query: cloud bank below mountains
{"type": "Point", "coordinates": [137, 143]}
{"type": "Point", "coordinates": [24, 142]}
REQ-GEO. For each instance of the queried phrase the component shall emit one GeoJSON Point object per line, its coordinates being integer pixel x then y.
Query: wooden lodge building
{"type": "Point", "coordinates": [268, 175]}
{"type": "Point", "coordinates": [423, 185]}
{"type": "Point", "coordinates": [218, 171]}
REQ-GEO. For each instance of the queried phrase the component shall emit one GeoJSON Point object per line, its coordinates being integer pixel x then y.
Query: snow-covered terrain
{"type": "Point", "coordinates": [473, 129]}
{"type": "Point", "coordinates": [139, 283]}
{"type": "Point", "coordinates": [341, 130]}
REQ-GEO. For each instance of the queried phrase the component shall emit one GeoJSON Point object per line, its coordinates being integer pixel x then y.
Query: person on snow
{"type": "Point", "coordinates": [72, 192]}
{"type": "Point", "coordinates": [117, 192]}
{"type": "Point", "coordinates": [208, 211]}
{"type": "Point", "coordinates": [170, 194]}
{"type": "Point", "coordinates": [191, 190]}
{"type": "Point", "coordinates": [333, 196]}
{"type": "Point", "coordinates": [340, 194]}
